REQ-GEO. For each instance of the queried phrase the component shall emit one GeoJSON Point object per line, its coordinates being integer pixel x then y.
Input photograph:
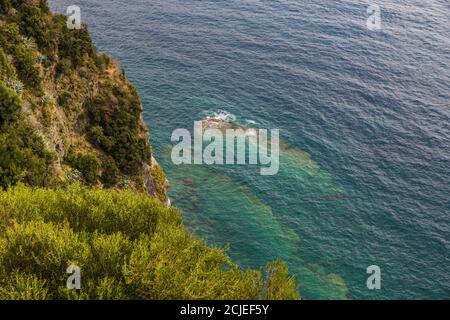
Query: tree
{"type": "Point", "coordinates": [279, 285]}
{"type": "Point", "coordinates": [88, 166]}
{"type": "Point", "coordinates": [23, 157]}
{"type": "Point", "coordinates": [110, 175]}
{"type": "Point", "coordinates": [25, 61]}
{"type": "Point", "coordinates": [6, 70]}
{"type": "Point", "coordinates": [32, 25]}
{"type": "Point", "coordinates": [9, 104]}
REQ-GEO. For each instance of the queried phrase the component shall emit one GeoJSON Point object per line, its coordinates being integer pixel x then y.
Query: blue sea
{"type": "Point", "coordinates": [364, 117]}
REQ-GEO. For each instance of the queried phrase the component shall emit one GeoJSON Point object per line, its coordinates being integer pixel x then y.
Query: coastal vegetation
{"type": "Point", "coordinates": [79, 184]}
{"type": "Point", "coordinates": [77, 99]}
{"type": "Point", "coordinates": [127, 246]}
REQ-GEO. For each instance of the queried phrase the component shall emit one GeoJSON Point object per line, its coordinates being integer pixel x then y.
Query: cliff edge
{"type": "Point", "coordinates": [79, 102]}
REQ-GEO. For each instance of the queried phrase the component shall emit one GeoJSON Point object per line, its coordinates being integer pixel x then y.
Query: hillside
{"type": "Point", "coordinates": [80, 183]}
{"type": "Point", "coordinates": [85, 117]}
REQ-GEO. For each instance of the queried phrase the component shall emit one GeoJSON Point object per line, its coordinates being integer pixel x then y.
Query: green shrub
{"type": "Point", "coordinates": [6, 71]}
{"type": "Point", "coordinates": [43, 5]}
{"type": "Point", "coordinates": [16, 85]}
{"type": "Point", "coordinates": [173, 265]}
{"type": "Point", "coordinates": [5, 6]}
{"type": "Point", "coordinates": [111, 173]}
{"type": "Point", "coordinates": [75, 45]}
{"type": "Point", "coordinates": [103, 60]}
{"type": "Point", "coordinates": [32, 25]}
{"type": "Point", "coordinates": [25, 61]}
{"type": "Point", "coordinates": [88, 165]}
{"type": "Point", "coordinates": [279, 285]}
{"type": "Point", "coordinates": [21, 286]}
{"type": "Point", "coordinates": [115, 118]}
{"type": "Point", "coordinates": [9, 104]}
{"type": "Point", "coordinates": [64, 100]}
{"type": "Point", "coordinates": [23, 157]}
{"type": "Point", "coordinates": [159, 179]}
{"type": "Point", "coordinates": [28, 243]}
{"type": "Point", "coordinates": [9, 37]}
{"type": "Point", "coordinates": [64, 67]}
{"type": "Point", "coordinates": [128, 246]}
{"type": "Point", "coordinates": [85, 210]}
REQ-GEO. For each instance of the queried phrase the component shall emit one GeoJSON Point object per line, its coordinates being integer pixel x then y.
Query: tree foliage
{"type": "Point", "coordinates": [32, 24]}
{"type": "Point", "coordinates": [128, 246]}
{"type": "Point", "coordinates": [26, 63]}
{"type": "Point", "coordinates": [9, 104]}
{"type": "Point", "coordinates": [115, 116]}
{"type": "Point", "coordinates": [23, 157]}
{"type": "Point", "coordinates": [279, 285]}
{"type": "Point", "coordinates": [5, 6]}
{"type": "Point", "coordinates": [6, 71]}
{"type": "Point", "coordinates": [87, 164]}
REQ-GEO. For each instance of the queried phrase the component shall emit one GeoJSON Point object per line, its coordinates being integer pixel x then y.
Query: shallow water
{"type": "Point", "coordinates": [364, 178]}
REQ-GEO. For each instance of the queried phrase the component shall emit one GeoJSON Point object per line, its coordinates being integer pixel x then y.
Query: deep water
{"type": "Point", "coordinates": [365, 168]}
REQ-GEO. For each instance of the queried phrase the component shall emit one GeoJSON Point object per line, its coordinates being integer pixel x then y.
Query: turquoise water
{"type": "Point", "coordinates": [364, 116]}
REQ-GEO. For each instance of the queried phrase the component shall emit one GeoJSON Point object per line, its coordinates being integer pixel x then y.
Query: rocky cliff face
{"type": "Point", "coordinates": [79, 102]}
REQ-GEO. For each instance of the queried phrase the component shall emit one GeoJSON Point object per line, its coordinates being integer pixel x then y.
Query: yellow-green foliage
{"type": "Point", "coordinates": [23, 156]}
{"type": "Point", "coordinates": [9, 104]}
{"type": "Point", "coordinates": [127, 245]}
{"type": "Point", "coordinates": [114, 115]}
{"type": "Point", "coordinates": [6, 71]}
{"type": "Point", "coordinates": [160, 182]}
{"type": "Point", "coordinates": [279, 285]}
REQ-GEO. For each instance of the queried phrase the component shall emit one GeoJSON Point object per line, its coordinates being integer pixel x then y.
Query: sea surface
{"type": "Point", "coordinates": [364, 118]}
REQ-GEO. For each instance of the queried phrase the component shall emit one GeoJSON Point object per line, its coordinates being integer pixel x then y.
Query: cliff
{"type": "Point", "coordinates": [77, 101]}
{"type": "Point", "coordinates": [80, 185]}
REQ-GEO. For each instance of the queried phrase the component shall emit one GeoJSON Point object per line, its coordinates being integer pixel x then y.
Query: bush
{"type": "Point", "coordinates": [128, 246]}
{"type": "Point", "coordinates": [9, 37]}
{"type": "Point", "coordinates": [23, 157]}
{"type": "Point", "coordinates": [32, 25]}
{"type": "Point", "coordinates": [88, 166]}
{"type": "Point", "coordinates": [159, 179]}
{"type": "Point", "coordinates": [5, 6]}
{"type": "Point", "coordinates": [279, 286]}
{"type": "Point", "coordinates": [25, 61]}
{"type": "Point", "coordinates": [9, 104]}
{"type": "Point", "coordinates": [173, 265]}
{"type": "Point", "coordinates": [6, 72]}
{"type": "Point", "coordinates": [43, 5]}
{"type": "Point", "coordinates": [75, 45]}
{"type": "Point", "coordinates": [64, 67]}
{"type": "Point", "coordinates": [20, 286]}
{"type": "Point", "coordinates": [31, 239]}
{"type": "Point", "coordinates": [111, 173]}
{"type": "Point", "coordinates": [103, 60]}
{"type": "Point", "coordinates": [64, 100]}
{"type": "Point", "coordinates": [115, 118]}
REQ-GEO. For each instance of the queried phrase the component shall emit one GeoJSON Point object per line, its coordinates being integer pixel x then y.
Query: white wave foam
{"type": "Point", "coordinates": [222, 115]}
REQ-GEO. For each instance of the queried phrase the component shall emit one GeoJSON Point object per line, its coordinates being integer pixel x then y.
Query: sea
{"type": "Point", "coordinates": [364, 120]}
